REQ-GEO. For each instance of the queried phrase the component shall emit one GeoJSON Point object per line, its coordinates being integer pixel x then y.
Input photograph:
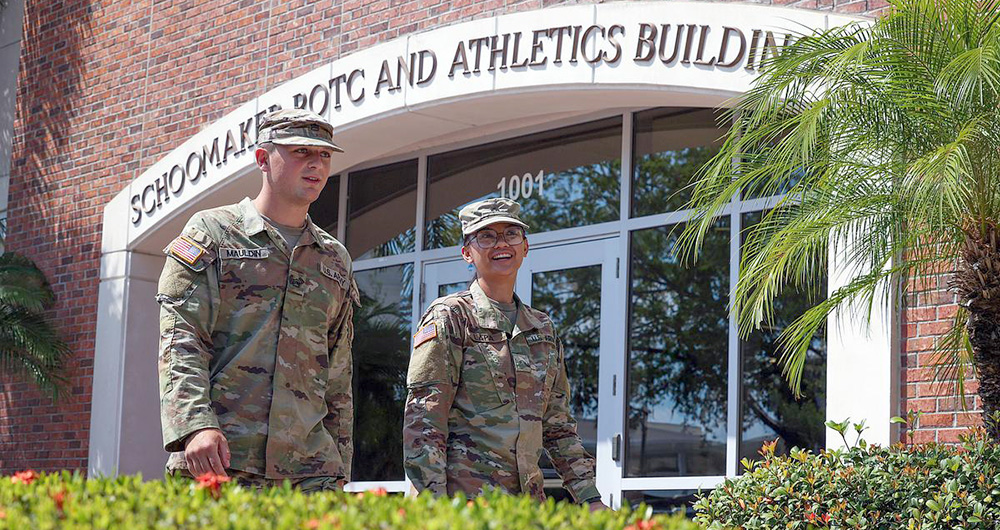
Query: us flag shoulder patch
{"type": "Point", "coordinates": [186, 250]}
{"type": "Point", "coordinates": [425, 334]}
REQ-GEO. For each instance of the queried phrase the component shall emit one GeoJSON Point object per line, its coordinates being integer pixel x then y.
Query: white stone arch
{"type": "Point", "coordinates": [125, 433]}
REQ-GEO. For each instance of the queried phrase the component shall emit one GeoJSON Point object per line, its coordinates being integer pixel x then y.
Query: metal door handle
{"type": "Point", "coordinates": [616, 448]}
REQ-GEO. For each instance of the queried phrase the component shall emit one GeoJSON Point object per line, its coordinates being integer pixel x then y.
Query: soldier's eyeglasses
{"type": "Point", "coordinates": [488, 238]}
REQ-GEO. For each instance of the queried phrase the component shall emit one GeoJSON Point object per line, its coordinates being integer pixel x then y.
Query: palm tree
{"type": "Point", "coordinates": [884, 138]}
{"type": "Point", "coordinates": [29, 345]}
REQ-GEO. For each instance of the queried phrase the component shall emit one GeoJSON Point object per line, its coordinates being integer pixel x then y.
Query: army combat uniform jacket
{"type": "Point", "coordinates": [485, 398]}
{"type": "Point", "coordinates": [255, 339]}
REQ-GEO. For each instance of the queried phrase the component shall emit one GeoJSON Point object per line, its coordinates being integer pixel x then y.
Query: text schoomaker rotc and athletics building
{"type": "Point", "coordinates": [131, 116]}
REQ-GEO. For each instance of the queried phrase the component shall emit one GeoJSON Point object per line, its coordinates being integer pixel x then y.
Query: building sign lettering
{"type": "Point", "coordinates": [648, 44]}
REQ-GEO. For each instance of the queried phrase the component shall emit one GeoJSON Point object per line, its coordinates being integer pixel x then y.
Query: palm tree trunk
{"type": "Point", "coordinates": [977, 283]}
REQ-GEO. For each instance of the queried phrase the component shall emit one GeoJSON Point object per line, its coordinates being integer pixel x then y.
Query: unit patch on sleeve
{"type": "Point", "coordinates": [425, 334]}
{"type": "Point", "coordinates": [244, 253]}
{"type": "Point", "coordinates": [186, 250]}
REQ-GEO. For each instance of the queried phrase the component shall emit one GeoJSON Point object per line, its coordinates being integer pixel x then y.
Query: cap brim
{"type": "Point", "coordinates": [302, 140]}
{"type": "Point", "coordinates": [479, 225]}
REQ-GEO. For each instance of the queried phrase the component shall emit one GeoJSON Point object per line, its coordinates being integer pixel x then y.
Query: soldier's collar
{"type": "Point", "coordinates": [312, 235]}
{"type": "Point", "coordinates": [488, 317]}
{"type": "Point", "coordinates": [253, 223]}
{"type": "Point", "coordinates": [527, 318]}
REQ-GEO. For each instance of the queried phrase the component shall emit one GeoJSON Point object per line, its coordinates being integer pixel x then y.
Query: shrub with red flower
{"type": "Point", "coordinates": [24, 477]}
{"type": "Point", "coordinates": [212, 483]}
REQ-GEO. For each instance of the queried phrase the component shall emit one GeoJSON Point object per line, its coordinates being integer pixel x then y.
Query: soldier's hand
{"type": "Point", "coordinates": [207, 451]}
{"type": "Point", "coordinates": [597, 506]}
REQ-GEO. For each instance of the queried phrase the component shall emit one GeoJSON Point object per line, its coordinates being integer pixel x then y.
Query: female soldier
{"type": "Point", "coordinates": [487, 380]}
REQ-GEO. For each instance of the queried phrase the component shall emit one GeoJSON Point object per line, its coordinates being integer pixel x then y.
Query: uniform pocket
{"type": "Point", "coordinates": [481, 374]}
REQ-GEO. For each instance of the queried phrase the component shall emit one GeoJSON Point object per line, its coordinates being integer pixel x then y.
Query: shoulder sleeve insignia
{"type": "Point", "coordinates": [425, 334]}
{"type": "Point", "coordinates": [190, 252]}
{"type": "Point", "coordinates": [186, 250]}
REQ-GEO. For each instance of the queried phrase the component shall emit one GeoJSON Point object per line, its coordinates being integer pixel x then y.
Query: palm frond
{"type": "Point", "coordinates": [884, 138]}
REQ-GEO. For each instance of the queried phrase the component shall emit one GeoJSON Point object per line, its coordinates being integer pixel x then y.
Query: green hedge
{"type": "Point", "coordinates": [901, 487]}
{"type": "Point", "coordinates": [70, 501]}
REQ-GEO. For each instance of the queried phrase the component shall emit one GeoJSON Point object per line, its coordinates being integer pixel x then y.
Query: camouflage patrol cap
{"type": "Point", "coordinates": [296, 127]}
{"type": "Point", "coordinates": [484, 213]}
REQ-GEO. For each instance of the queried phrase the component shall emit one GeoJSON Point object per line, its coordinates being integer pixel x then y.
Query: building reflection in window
{"type": "Point", "coordinates": [670, 146]}
{"type": "Point", "coordinates": [381, 353]}
{"type": "Point", "coordinates": [572, 298]}
{"type": "Point", "coordinates": [563, 178]}
{"type": "Point", "coordinates": [382, 209]}
{"type": "Point", "coordinates": [678, 351]}
{"type": "Point", "coordinates": [769, 409]}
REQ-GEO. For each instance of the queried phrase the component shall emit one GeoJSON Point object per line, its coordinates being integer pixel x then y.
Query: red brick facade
{"type": "Point", "coordinates": [106, 88]}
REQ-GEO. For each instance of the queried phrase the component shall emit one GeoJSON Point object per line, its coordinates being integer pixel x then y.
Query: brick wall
{"type": "Point", "coordinates": [107, 87]}
{"type": "Point", "coordinates": [925, 386]}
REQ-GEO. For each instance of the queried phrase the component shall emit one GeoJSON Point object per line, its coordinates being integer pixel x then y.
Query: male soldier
{"type": "Point", "coordinates": [487, 379]}
{"type": "Point", "coordinates": [255, 326]}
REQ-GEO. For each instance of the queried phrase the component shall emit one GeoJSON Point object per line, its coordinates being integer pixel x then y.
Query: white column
{"type": "Point", "coordinates": [125, 413]}
{"type": "Point", "coordinates": [862, 366]}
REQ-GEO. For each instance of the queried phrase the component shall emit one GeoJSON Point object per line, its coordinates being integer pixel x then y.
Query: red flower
{"type": "Point", "coordinates": [59, 498]}
{"type": "Point", "coordinates": [826, 518]}
{"type": "Point", "coordinates": [24, 477]}
{"type": "Point", "coordinates": [312, 524]}
{"type": "Point", "coordinates": [380, 492]}
{"type": "Point", "coordinates": [212, 483]}
{"type": "Point", "coordinates": [811, 517]}
{"type": "Point", "coordinates": [401, 512]}
{"type": "Point", "coordinates": [643, 525]}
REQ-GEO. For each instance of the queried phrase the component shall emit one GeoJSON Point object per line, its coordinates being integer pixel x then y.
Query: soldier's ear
{"type": "Point", "coordinates": [466, 254]}
{"type": "Point", "coordinates": [263, 159]}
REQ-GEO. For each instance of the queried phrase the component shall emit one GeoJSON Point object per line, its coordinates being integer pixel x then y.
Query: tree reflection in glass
{"type": "Point", "coordinates": [769, 409]}
{"type": "Point", "coordinates": [670, 145]}
{"type": "Point", "coordinates": [381, 354]}
{"type": "Point", "coordinates": [563, 178]}
{"type": "Point", "coordinates": [572, 298]}
{"type": "Point", "coordinates": [678, 351]}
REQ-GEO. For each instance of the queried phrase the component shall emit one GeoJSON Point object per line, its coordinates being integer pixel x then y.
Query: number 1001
{"type": "Point", "coordinates": [515, 187]}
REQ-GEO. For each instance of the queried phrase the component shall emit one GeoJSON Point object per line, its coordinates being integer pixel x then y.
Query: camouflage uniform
{"type": "Point", "coordinates": [486, 398]}
{"type": "Point", "coordinates": [255, 340]}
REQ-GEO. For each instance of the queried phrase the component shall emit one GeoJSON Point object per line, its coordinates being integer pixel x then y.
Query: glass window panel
{"type": "Point", "coordinates": [769, 409]}
{"type": "Point", "coordinates": [670, 145]}
{"type": "Point", "coordinates": [678, 351]}
{"type": "Point", "coordinates": [664, 501]}
{"type": "Point", "coordinates": [572, 298]}
{"type": "Point", "coordinates": [563, 178]}
{"type": "Point", "coordinates": [451, 288]}
{"type": "Point", "coordinates": [326, 210]}
{"type": "Point", "coordinates": [381, 353]}
{"type": "Point", "coordinates": [382, 208]}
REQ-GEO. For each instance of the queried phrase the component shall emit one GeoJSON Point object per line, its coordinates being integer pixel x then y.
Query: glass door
{"type": "Point", "coordinates": [577, 285]}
